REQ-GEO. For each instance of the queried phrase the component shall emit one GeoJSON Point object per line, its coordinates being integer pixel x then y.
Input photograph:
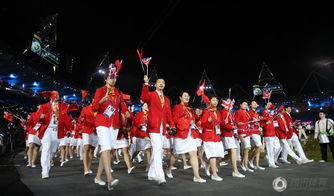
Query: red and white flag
{"type": "Point", "coordinates": [146, 61]}
{"type": "Point", "coordinates": [200, 90]}
{"type": "Point", "coordinates": [266, 94]}
{"type": "Point", "coordinates": [8, 116]}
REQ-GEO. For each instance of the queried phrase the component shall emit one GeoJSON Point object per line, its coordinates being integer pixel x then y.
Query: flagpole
{"type": "Point", "coordinates": [141, 62]}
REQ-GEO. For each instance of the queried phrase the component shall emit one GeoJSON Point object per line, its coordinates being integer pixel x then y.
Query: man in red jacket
{"type": "Point", "coordinates": [54, 123]}
{"type": "Point", "coordinates": [281, 132]}
{"type": "Point", "coordinates": [109, 105]}
{"type": "Point", "coordinates": [269, 134]}
{"type": "Point", "coordinates": [293, 137]}
{"type": "Point", "coordinates": [158, 116]}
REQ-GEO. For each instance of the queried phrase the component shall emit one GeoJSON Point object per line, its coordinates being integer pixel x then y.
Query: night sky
{"type": "Point", "coordinates": [229, 39]}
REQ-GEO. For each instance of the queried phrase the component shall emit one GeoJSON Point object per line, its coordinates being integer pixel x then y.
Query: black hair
{"type": "Point", "coordinates": [322, 112]}
{"type": "Point", "coordinates": [286, 106]}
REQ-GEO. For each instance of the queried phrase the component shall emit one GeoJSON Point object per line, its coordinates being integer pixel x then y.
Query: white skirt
{"type": "Point", "coordinates": [122, 143]}
{"type": "Point", "coordinates": [229, 143]}
{"type": "Point", "coordinates": [213, 149]}
{"type": "Point", "coordinates": [256, 140]}
{"type": "Point", "coordinates": [143, 143]}
{"type": "Point", "coordinates": [182, 146]}
{"type": "Point", "coordinates": [34, 139]}
{"type": "Point", "coordinates": [89, 139]}
{"type": "Point", "coordinates": [73, 141]}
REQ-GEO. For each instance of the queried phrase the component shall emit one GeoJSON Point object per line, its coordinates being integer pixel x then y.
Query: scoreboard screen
{"type": "Point", "coordinates": [43, 50]}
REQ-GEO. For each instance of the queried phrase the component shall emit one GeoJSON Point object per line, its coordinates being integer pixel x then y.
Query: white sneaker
{"type": "Point", "coordinates": [238, 175]}
{"type": "Point", "coordinates": [308, 161]}
{"type": "Point", "coordinates": [299, 162]}
{"type": "Point", "coordinates": [274, 166]}
{"type": "Point", "coordinates": [28, 165]}
{"type": "Point", "coordinates": [116, 162]}
{"type": "Point", "coordinates": [223, 163]}
{"type": "Point", "coordinates": [322, 161]}
{"type": "Point", "coordinates": [112, 184]}
{"type": "Point", "coordinates": [286, 161]}
{"type": "Point", "coordinates": [67, 160]}
{"type": "Point", "coordinates": [169, 175]}
{"type": "Point", "coordinates": [90, 171]}
{"type": "Point", "coordinates": [202, 166]}
{"type": "Point", "coordinates": [250, 170]}
{"type": "Point", "coordinates": [62, 163]}
{"type": "Point", "coordinates": [100, 182]}
{"type": "Point", "coordinates": [216, 178]}
{"type": "Point", "coordinates": [25, 157]}
{"type": "Point", "coordinates": [111, 170]}
{"type": "Point", "coordinates": [174, 168]}
{"type": "Point", "coordinates": [45, 176]}
{"type": "Point", "coordinates": [187, 167]}
{"type": "Point", "coordinates": [86, 173]}
{"type": "Point", "coordinates": [243, 168]}
{"type": "Point", "coordinates": [71, 157]}
{"type": "Point", "coordinates": [33, 166]}
{"type": "Point", "coordinates": [251, 165]}
{"type": "Point", "coordinates": [130, 170]}
{"type": "Point", "coordinates": [200, 180]}
{"type": "Point", "coordinates": [260, 168]}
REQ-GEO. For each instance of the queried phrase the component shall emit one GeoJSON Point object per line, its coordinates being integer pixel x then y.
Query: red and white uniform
{"type": "Point", "coordinates": [197, 134]}
{"type": "Point", "coordinates": [293, 138]}
{"type": "Point", "coordinates": [107, 120]}
{"type": "Point", "coordinates": [281, 132]}
{"type": "Point", "coordinates": [184, 119]}
{"type": "Point", "coordinates": [158, 116]}
{"type": "Point", "coordinates": [228, 129]}
{"type": "Point", "coordinates": [139, 130]}
{"type": "Point", "coordinates": [242, 116]}
{"type": "Point", "coordinates": [53, 127]}
{"type": "Point", "coordinates": [87, 119]}
{"type": "Point", "coordinates": [212, 143]}
{"type": "Point", "coordinates": [254, 127]}
{"type": "Point", "coordinates": [32, 126]}
{"type": "Point", "coordinates": [269, 135]}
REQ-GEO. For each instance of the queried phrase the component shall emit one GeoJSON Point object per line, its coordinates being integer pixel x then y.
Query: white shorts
{"type": "Point", "coordinates": [143, 143]}
{"type": "Point", "coordinates": [213, 149]}
{"type": "Point", "coordinates": [34, 139]}
{"type": "Point", "coordinates": [89, 139]}
{"type": "Point", "coordinates": [256, 140]}
{"type": "Point", "coordinates": [74, 141]}
{"type": "Point", "coordinates": [199, 142]}
{"type": "Point", "coordinates": [106, 137]}
{"type": "Point", "coordinates": [63, 141]}
{"type": "Point", "coordinates": [229, 142]}
{"type": "Point", "coordinates": [167, 143]}
{"type": "Point", "coordinates": [245, 141]}
{"type": "Point", "coordinates": [186, 145]}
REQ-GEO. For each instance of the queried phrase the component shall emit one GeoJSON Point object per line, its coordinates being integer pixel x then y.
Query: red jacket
{"type": "Point", "coordinates": [268, 129]}
{"type": "Point", "coordinates": [139, 120]}
{"type": "Point", "coordinates": [32, 121]}
{"type": "Point", "coordinates": [115, 100]}
{"type": "Point", "coordinates": [196, 133]}
{"type": "Point", "coordinates": [227, 127]}
{"type": "Point", "coordinates": [254, 126]}
{"type": "Point", "coordinates": [243, 117]}
{"type": "Point", "coordinates": [87, 119]}
{"type": "Point", "coordinates": [282, 129]}
{"type": "Point", "coordinates": [64, 120]}
{"type": "Point", "coordinates": [182, 117]}
{"type": "Point", "coordinates": [77, 131]}
{"type": "Point", "coordinates": [288, 120]}
{"type": "Point", "coordinates": [209, 128]}
{"type": "Point", "coordinates": [157, 114]}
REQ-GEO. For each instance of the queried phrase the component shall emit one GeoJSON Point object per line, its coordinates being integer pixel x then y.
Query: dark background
{"type": "Point", "coordinates": [229, 39]}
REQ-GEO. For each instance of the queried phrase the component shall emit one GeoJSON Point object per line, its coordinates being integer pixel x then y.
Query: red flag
{"type": "Point", "coordinates": [206, 99]}
{"type": "Point", "coordinates": [200, 90]}
{"type": "Point", "coordinates": [72, 107]}
{"type": "Point", "coordinates": [140, 53]}
{"type": "Point", "coordinates": [84, 93]}
{"type": "Point", "coordinates": [8, 116]}
{"type": "Point", "coordinates": [126, 97]}
{"type": "Point", "coordinates": [266, 95]}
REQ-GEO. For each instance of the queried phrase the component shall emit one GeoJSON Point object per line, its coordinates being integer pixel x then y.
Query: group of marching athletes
{"type": "Point", "coordinates": [209, 136]}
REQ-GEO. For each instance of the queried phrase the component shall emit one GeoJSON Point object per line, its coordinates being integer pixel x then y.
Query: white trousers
{"type": "Point", "coordinates": [156, 171]}
{"type": "Point", "coordinates": [285, 148]}
{"type": "Point", "coordinates": [49, 147]}
{"type": "Point", "coordinates": [298, 147]}
{"type": "Point", "coordinates": [272, 147]}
